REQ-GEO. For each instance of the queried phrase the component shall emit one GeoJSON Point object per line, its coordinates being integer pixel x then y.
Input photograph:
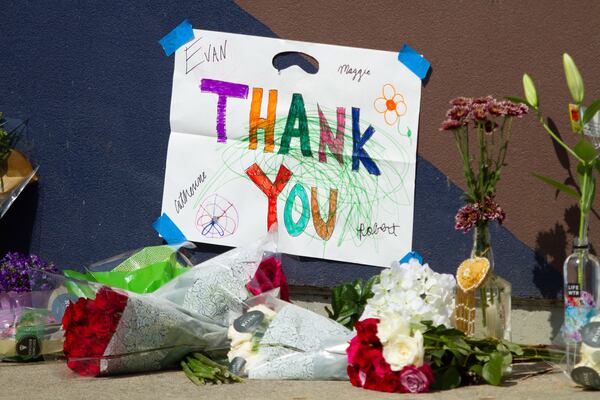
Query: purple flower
{"type": "Point", "coordinates": [498, 108]}
{"type": "Point", "coordinates": [461, 101]}
{"type": "Point", "coordinates": [483, 100]}
{"type": "Point", "coordinates": [22, 273]}
{"type": "Point", "coordinates": [451, 124]}
{"type": "Point", "coordinates": [517, 110]}
{"type": "Point", "coordinates": [466, 218]}
{"type": "Point", "coordinates": [479, 111]}
{"type": "Point", "coordinates": [458, 113]}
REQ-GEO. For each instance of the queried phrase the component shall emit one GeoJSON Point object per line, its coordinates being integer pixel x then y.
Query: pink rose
{"type": "Point", "coordinates": [415, 380]}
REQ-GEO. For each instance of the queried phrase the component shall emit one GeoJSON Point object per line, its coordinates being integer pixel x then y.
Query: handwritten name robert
{"type": "Point", "coordinates": [188, 193]}
{"type": "Point", "coordinates": [376, 229]}
{"type": "Point", "coordinates": [356, 73]}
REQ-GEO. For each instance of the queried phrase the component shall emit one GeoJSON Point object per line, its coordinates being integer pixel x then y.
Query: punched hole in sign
{"type": "Point", "coordinates": [286, 59]}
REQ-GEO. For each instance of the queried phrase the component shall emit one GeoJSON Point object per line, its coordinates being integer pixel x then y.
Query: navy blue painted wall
{"type": "Point", "coordinates": [96, 86]}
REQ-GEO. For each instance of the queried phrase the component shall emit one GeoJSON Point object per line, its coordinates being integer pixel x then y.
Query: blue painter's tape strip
{"type": "Point", "coordinates": [168, 230]}
{"type": "Point", "coordinates": [414, 61]}
{"type": "Point", "coordinates": [410, 255]}
{"type": "Point", "coordinates": [179, 36]}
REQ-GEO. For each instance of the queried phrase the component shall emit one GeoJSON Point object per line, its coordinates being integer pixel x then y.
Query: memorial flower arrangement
{"type": "Point", "coordinates": [110, 331]}
{"type": "Point", "coordinates": [491, 120]}
{"type": "Point", "coordinates": [405, 342]}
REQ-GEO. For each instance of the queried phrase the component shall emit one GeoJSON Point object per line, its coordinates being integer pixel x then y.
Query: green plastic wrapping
{"type": "Point", "coordinates": [143, 272]}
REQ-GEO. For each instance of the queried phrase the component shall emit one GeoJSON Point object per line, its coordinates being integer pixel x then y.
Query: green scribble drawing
{"type": "Point", "coordinates": [360, 194]}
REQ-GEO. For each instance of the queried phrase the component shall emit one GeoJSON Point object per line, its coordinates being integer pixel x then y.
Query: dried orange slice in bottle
{"type": "Point", "coordinates": [472, 272]}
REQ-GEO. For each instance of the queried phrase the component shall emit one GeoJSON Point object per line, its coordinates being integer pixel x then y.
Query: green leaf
{"type": "Point", "coordinates": [329, 312]}
{"type": "Point", "coordinates": [476, 369]}
{"type": "Point", "coordinates": [513, 347]}
{"type": "Point", "coordinates": [530, 92]}
{"type": "Point", "coordinates": [450, 379]}
{"type": "Point", "coordinates": [574, 80]}
{"type": "Point", "coordinates": [515, 99]}
{"type": "Point", "coordinates": [591, 111]}
{"type": "Point", "coordinates": [367, 291]}
{"type": "Point", "coordinates": [558, 185]}
{"type": "Point", "coordinates": [439, 353]}
{"type": "Point", "coordinates": [492, 370]}
{"type": "Point", "coordinates": [588, 197]}
{"type": "Point", "coordinates": [585, 150]}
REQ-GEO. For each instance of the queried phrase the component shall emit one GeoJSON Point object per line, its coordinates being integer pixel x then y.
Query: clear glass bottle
{"type": "Point", "coordinates": [494, 294]}
{"type": "Point", "coordinates": [581, 272]}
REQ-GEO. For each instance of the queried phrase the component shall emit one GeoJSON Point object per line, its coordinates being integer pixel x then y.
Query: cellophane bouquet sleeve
{"type": "Point", "coordinates": [217, 288]}
{"type": "Point", "coordinates": [274, 339]}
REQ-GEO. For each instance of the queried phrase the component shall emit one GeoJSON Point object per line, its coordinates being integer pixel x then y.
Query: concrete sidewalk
{"type": "Point", "coordinates": [53, 380]}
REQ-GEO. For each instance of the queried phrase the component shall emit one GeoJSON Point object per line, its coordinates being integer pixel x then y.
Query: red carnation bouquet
{"type": "Point", "coordinates": [387, 356]}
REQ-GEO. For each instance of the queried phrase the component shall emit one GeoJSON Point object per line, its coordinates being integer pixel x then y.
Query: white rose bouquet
{"type": "Point", "coordinates": [274, 339]}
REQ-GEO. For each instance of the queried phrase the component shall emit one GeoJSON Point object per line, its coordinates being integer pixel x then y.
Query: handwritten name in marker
{"type": "Point", "coordinates": [364, 231]}
{"type": "Point", "coordinates": [356, 73]}
{"type": "Point", "coordinates": [189, 192]}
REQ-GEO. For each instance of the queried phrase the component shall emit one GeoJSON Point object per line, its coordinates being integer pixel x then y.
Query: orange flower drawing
{"type": "Point", "coordinates": [391, 104]}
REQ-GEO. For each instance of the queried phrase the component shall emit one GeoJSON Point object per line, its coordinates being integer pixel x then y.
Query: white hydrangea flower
{"type": "Point", "coordinates": [415, 292]}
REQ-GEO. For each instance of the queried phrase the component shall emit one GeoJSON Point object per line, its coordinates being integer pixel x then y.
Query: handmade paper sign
{"type": "Point", "coordinates": [328, 157]}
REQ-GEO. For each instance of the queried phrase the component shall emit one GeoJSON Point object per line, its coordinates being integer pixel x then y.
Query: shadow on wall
{"type": "Point", "coordinates": [16, 227]}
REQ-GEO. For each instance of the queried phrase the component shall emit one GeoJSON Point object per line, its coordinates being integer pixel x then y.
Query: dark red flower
{"type": "Point", "coordinates": [467, 217]}
{"type": "Point", "coordinates": [269, 275]}
{"type": "Point", "coordinates": [491, 210]}
{"type": "Point", "coordinates": [366, 331]}
{"type": "Point", "coordinates": [389, 382]}
{"type": "Point", "coordinates": [355, 376]}
{"type": "Point", "coordinates": [426, 369]}
{"type": "Point", "coordinates": [363, 354]}
{"type": "Point", "coordinates": [89, 325]}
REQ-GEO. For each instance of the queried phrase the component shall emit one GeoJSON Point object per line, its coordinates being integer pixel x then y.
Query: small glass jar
{"type": "Point", "coordinates": [494, 294]}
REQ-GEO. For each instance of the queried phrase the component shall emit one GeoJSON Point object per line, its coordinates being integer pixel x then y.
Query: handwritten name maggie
{"type": "Point", "coordinates": [347, 69]}
{"type": "Point", "coordinates": [189, 192]}
{"type": "Point", "coordinates": [364, 231]}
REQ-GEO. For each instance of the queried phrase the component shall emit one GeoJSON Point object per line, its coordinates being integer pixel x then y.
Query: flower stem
{"type": "Point", "coordinates": [557, 139]}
